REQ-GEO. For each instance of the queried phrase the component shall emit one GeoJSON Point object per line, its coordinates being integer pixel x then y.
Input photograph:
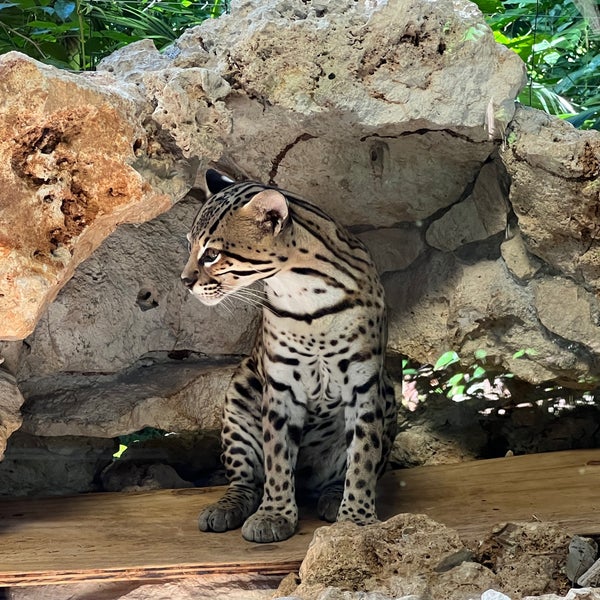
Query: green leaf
{"type": "Point", "coordinates": [119, 452]}
{"type": "Point", "coordinates": [445, 360]}
{"type": "Point", "coordinates": [479, 373]}
{"type": "Point", "coordinates": [456, 390]}
{"type": "Point", "coordinates": [456, 379]}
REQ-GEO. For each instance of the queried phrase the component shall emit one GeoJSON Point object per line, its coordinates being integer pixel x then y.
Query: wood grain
{"type": "Point", "coordinates": [153, 535]}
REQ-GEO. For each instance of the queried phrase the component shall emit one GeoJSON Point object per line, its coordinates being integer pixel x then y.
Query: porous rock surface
{"type": "Point", "coordinates": [67, 180]}
{"type": "Point", "coordinates": [11, 400]}
{"type": "Point", "coordinates": [412, 556]}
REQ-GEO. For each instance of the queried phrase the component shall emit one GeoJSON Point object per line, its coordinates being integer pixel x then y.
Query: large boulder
{"type": "Point", "coordinates": [67, 179]}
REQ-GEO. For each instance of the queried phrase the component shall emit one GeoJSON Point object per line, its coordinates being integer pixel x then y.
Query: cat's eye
{"type": "Point", "coordinates": [209, 257]}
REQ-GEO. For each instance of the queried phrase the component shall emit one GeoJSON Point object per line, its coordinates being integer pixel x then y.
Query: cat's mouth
{"type": "Point", "coordinates": [209, 298]}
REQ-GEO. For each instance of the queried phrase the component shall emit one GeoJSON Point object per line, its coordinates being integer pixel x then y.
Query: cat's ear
{"type": "Point", "coordinates": [270, 209]}
{"type": "Point", "coordinates": [216, 182]}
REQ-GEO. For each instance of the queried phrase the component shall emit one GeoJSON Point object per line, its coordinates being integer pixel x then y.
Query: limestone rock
{"type": "Point", "coordinates": [400, 557]}
{"type": "Point", "coordinates": [167, 395]}
{"type": "Point", "coordinates": [420, 446]}
{"type": "Point", "coordinates": [354, 94]}
{"type": "Point", "coordinates": [215, 587]}
{"type": "Point", "coordinates": [528, 558]}
{"type": "Point", "coordinates": [10, 404]}
{"type": "Point", "coordinates": [67, 179]}
{"type": "Point", "coordinates": [393, 249]}
{"type": "Point", "coordinates": [555, 172]}
{"type": "Point", "coordinates": [127, 300]}
{"type": "Point", "coordinates": [444, 304]}
{"type": "Point", "coordinates": [48, 466]}
{"type": "Point", "coordinates": [478, 217]}
{"type": "Point", "coordinates": [569, 311]}
{"type": "Point", "coordinates": [519, 261]}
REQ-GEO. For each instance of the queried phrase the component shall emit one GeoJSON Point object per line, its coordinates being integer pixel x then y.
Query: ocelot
{"type": "Point", "coordinates": [311, 409]}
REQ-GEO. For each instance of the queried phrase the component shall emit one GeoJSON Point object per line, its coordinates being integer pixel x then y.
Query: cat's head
{"type": "Point", "coordinates": [235, 239]}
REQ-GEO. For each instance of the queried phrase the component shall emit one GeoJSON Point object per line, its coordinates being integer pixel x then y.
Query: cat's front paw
{"type": "Point", "coordinates": [266, 528]}
{"type": "Point", "coordinates": [218, 518]}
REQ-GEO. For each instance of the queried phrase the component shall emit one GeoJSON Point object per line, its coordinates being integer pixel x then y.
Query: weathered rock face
{"type": "Point", "coordinates": [412, 556]}
{"type": "Point", "coordinates": [351, 104]}
{"type": "Point", "coordinates": [127, 300]}
{"type": "Point", "coordinates": [67, 180]}
{"type": "Point", "coordinates": [406, 555]}
{"type": "Point", "coordinates": [10, 403]}
{"type": "Point", "coordinates": [554, 193]}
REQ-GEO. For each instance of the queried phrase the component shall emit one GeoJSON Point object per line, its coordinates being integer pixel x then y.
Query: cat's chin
{"type": "Point", "coordinates": [208, 300]}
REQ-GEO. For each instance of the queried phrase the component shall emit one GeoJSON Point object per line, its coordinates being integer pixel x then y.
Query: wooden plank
{"type": "Point", "coordinates": [153, 535]}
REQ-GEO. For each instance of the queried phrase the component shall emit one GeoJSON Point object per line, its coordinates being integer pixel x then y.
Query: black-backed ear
{"type": "Point", "coordinates": [216, 182]}
{"type": "Point", "coordinates": [270, 209]}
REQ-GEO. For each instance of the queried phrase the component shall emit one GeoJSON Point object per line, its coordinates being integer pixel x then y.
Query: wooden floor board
{"type": "Point", "coordinates": [153, 535]}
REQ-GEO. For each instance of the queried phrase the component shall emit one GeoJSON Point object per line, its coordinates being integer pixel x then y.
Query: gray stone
{"type": "Point", "coordinates": [419, 445]}
{"type": "Point", "coordinates": [10, 404]}
{"type": "Point", "coordinates": [442, 304]}
{"type": "Point", "coordinates": [519, 261]}
{"type": "Point", "coordinates": [554, 192]}
{"type": "Point", "coordinates": [127, 300]}
{"type": "Point", "coordinates": [341, 93]}
{"type": "Point", "coordinates": [478, 217]}
{"type": "Point", "coordinates": [569, 311]}
{"type": "Point", "coordinates": [172, 396]}
{"type": "Point", "coordinates": [47, 466]}
{"type": "Point", "coordinates": [396, 558]}
{"type": "Point", "coordinates": [582, 555]}
{"type": "Point", "coordinates": [393, 249]}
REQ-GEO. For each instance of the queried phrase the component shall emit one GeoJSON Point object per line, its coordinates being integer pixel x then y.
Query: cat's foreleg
{"type": "Point", "coordinates": [242, 456]}
{"type": "Point", "coordinates": [283, 418]}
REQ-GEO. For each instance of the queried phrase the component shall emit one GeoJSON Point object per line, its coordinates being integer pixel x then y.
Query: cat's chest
{"type": "Point", "coordinates": [302, 295]}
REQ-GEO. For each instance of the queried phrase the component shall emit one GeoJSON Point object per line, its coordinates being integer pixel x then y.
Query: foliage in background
{"type": "Point", "coordinates": [477, 378]}
{"type": "Point", "coordinates": [77, 34]}
{"type": "Point", "coordinates": [559, 41]}
{"type": "Point", "coordinates": [148, 433]}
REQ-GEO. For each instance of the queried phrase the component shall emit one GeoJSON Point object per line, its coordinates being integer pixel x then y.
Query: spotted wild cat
{"type": "Point", "coordinates": [311, 406]}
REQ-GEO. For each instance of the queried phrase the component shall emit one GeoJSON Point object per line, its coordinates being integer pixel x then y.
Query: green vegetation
{"type": "Point", "coordinates": [477, 378]}
{"type": "Point", "coordinates": [77, 34]}
{"type": "Point", "coordinates": [126, 441]}
{"type": "Point", "coordinates": [559, 41]}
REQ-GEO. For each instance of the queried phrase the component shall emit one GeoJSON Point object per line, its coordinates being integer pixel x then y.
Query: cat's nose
{"type": "Point", "coordinates": [189, 282]}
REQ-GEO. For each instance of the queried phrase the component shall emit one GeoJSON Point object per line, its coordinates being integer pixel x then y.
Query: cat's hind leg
{"type": "Point", "coordinates": [242, 456]}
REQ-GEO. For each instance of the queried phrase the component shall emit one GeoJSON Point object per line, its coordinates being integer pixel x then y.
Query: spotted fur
{"type": "Point", "coordinates": [311, 406]}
